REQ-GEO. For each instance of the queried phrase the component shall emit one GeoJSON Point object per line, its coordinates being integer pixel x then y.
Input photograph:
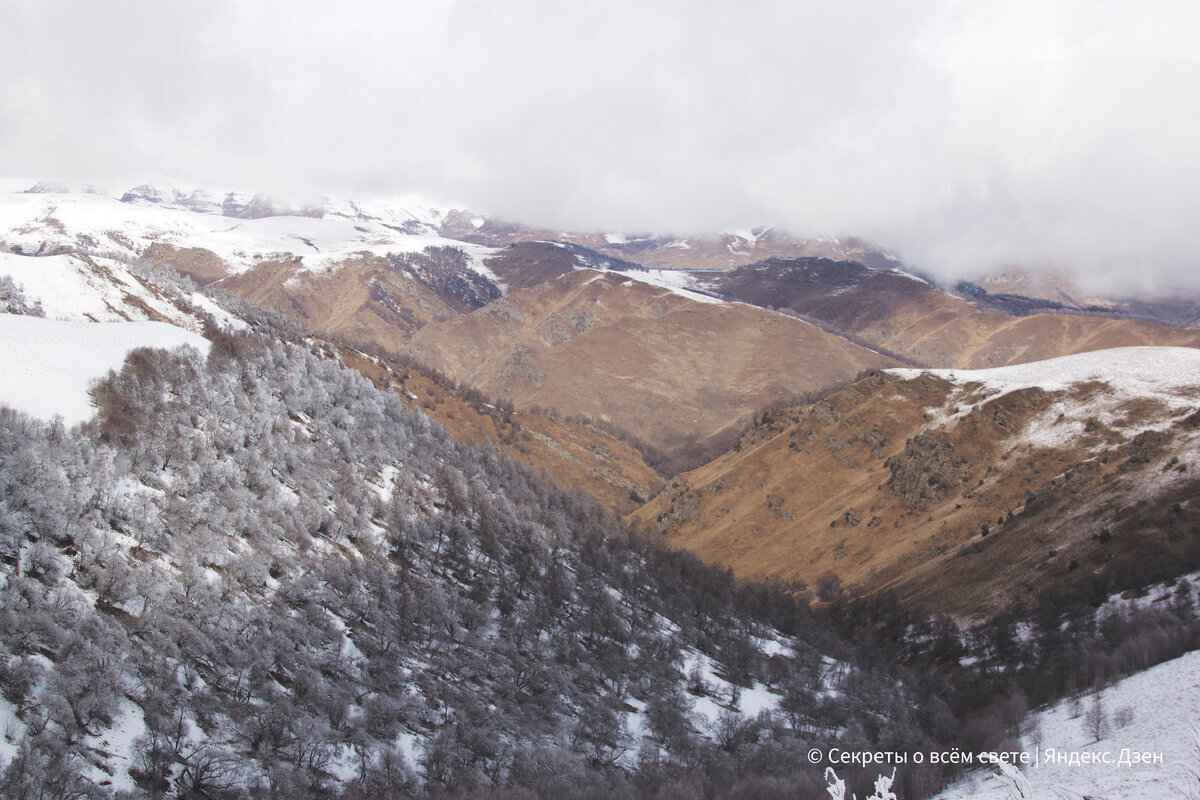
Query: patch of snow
{"type": "Point", "coordinates": [11, 730]}
{"type": "Point", "coordinates": [675, 281]}
{"type": "Point", "coordinates": [635, 720]}
{"type": "Point", "coordinates": [1158, 593]}
{"type": "Point", "coordinates": [905, 273]}
{"type": "Point", "coordinates": [773, 647]}
{"type": "Point", "coordinates": [226, 320]}
{"type": "Point", "coordinates": [69, 288]}
{"type": "Point", "coordinates": [757, 699]}
{"type": "Point", "coordinates": [50, 364]}
{"type": "Point", "coordinates": [722, 694]}
{"type": "Point", "coordinates": [1165, 706]}
{"type": "Point", "coordinates": [387, 483]}
{"type": "Point", "coordinates": [407, 743]}
{"type": "Point", "coordinates": [1168, 375]}
{"type": "Point", "coordinates": [118, 745]}
{"type": "Point", "coordinates": [750, 235]}
{"type": "Point", "coordinates": [1154, 369]}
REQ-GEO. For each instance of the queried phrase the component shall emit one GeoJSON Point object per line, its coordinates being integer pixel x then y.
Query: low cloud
{"type": "Point", "coordinates": [965, 137]}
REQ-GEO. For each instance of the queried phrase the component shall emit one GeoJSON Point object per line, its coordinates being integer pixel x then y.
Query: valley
{"type": "Point", "coordinates": [446, 506]}
{"type": "Point", "coordinates": [963, 492]}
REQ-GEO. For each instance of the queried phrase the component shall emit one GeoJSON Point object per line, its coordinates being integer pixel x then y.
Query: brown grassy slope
{"type": "Point", "coordinates": [202, 266]}
{"type": "Point", "coordinates": [673, 372]}
{"type": "Point", "coordinates": [874, 485]}
{"type": "Point", "coordinates": [523, 265]}
{"type": "Point", "coordinates": [968, 338]}
{"type": "Point", "coordinates": [576, 456]}
{"type": "Point", "coordinates": [366, 299]}
{"type": "Point", "coordinates": [924, 323]}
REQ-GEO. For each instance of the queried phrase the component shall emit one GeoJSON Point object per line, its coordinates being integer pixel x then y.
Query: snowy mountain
{"type": "Point", "coordinates": [241, 231]}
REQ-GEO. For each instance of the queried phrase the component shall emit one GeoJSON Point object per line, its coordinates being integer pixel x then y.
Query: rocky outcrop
{"type": "Point", "coordinates": [927, 472]}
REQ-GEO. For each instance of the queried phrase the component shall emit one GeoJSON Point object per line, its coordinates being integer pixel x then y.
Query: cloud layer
{"type": "Point", "coordinates": [964, 136]}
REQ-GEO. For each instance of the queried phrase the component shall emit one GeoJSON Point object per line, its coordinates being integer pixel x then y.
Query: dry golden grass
{"type": "Point", "coordinates": [942, 331]}
{"type": "Point", "coordinates": [811, 492]}
{"type": "Point", "coordinates": [576, 456]}
{"type": "Point", "coordinates": [673, 372]}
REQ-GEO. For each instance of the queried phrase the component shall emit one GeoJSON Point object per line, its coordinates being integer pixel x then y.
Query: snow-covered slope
{"type": "Point", "coordinates": [1144, 370]}
{"type": "Point", "coordinates": [1164, 705]}
{"type": "Point", "coordinates": [48, 365]}
{"type": "Point", "coordinates": [1166, 376]}
{"type": "Point", "coordinates": [681, 283]}
{"type": "Point", "coordinates": [86, 289]}
{"type": "Point", "coordinates": [241, 230]}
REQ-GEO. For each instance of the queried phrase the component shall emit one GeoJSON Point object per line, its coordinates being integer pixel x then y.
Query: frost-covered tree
{"type": "Point", "coordinates": [289, 584]}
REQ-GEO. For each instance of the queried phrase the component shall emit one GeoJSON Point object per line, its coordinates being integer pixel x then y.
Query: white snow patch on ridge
{"type": "Point", "coordinates": [1153, 370]}
{"type": "Point", "coordinates": [1169, 375]}
{"type": "Point", "coordinates": [48, 365]}
{"type": "Point", "coordinates": [673, 280]}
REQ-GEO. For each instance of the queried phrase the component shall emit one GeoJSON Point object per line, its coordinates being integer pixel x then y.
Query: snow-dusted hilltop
{"type": "Point", "coordinates": [1142, 370]}
{"type": "Point", "coordinates": [242, 230]}
{"type": "Point", "coordinates": [1102, 387]}
{"type": "Point", "coordinates": [963, 492]}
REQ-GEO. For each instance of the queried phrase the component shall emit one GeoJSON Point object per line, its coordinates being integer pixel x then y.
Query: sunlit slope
{"type": "Point", "coordinates": [959, 490]}
{"type": "Point", "coordinates": [673, 371]}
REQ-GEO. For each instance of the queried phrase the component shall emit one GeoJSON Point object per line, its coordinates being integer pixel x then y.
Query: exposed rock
{"type": "Point", "coordinates": [927, 471]}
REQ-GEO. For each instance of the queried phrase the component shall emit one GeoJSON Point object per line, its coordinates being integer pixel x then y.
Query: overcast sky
{"type": "Point", "coordinates": [964, 136]}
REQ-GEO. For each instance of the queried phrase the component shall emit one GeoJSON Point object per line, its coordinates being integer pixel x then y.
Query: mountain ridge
{"type": "Point", "coordinates": [949, 490]}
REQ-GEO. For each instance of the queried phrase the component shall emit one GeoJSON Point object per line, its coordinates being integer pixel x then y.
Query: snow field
{"type": "Point", "coordinates": [49, 365]}
{"type": "Point", "coordinates": [1165, 706]}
